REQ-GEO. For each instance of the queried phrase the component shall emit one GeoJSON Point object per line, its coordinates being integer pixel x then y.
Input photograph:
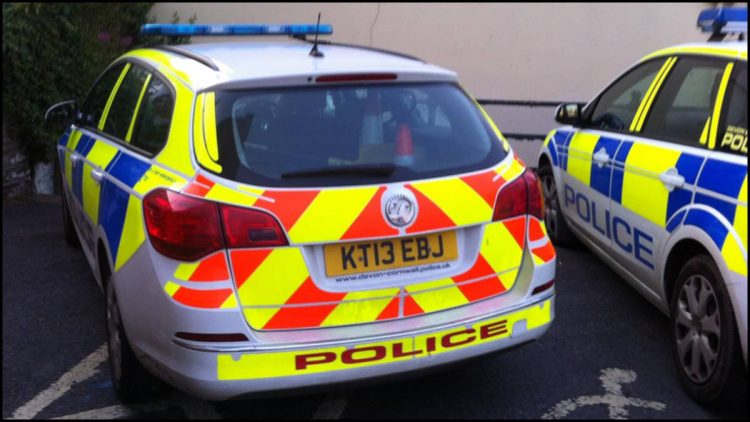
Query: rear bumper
{"type": "Point", "coordinates": [220, 373]}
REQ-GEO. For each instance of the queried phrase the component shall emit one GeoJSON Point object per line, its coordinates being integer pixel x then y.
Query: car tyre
{"type": "Point", "coordinates": [557, 228]}
{"type": "Point", "coordinates": [71, 238]}
{"type": "Point", "coordinates": [131, 381]}
{"type": "Point", "coordinates": [705, 340]}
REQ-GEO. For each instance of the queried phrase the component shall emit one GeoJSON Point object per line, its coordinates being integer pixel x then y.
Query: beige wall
{"type": "Point", "coordinates": [506, 51]}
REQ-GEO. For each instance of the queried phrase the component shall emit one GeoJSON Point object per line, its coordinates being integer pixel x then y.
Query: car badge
{"type": "Point", "coordinates": [400, 208]}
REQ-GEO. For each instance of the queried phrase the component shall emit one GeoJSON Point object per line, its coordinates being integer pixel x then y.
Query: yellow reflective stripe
{"type": "Point", "coordinates": [258, 317]}
{"type": "Point", "coordinates": [506, 145]}
{"type": "Point", "coordinates": [704, 133]}
{"type": "Point", "coordinates": [713, 51]}
{"type": "Point", "coordinates": [652, 95]}
{"type": "Point", "coordinates": [740, 215]}
{"type": "Point", "coordinates": [185, 270]}
{"type": "Point", "coordinates": [90, 189]}
{"type": "Point", "coordinates": [162, 59]}
{"type": "Point", "coordinates": [733, 255]}
{"type": "Point", "coordinates": [357, 312]}
{"type": "Point", "coordinates": [73, 141]}
{"type": "Point", "coordinates": [199, 142]}
{"type": "Point", "coordinates": [512, 171]}
{"type": "Point", "coordinates": [331, 214]}
{"type": "Point", "coordinates": [137, 107]}
{"type": "Point", "coordinates": [209, 128]}
{"type": "Point", "coordinates": [171, 288]}
{"type": "Point", "coordinates": [176, 153]}
{"type": "Point", "coordinates": [580, 152]}
{"type": "Point", "coordinates": [156, 177]}
{"type": "Point", "coordinates": [717, 106]}
{"type": "Point", "coordinates": [649, 91]}
{"type": "Point", "coordinates": [441, 294]}
{"type": "Point", "coordinates": [112, 96]}
{"type": "Point", "coordinates": [133, 232]}
{"type": "Point", "coordinates": [222, 193]}
{"type": "Point", "coordinates": [274, 281]}
{"type": "Point", "coordinates": [230, 303]}
{"type": "Point", "coordinates": [68, 169]}
{"type": "Point", "coordinates": [457, 200]}
{"type": "Point", "coordinates": [258, 364]}
{"type": "Point", "coordinates": [642, 191]}
{"type": "Point", "coordinates": [501, 251]}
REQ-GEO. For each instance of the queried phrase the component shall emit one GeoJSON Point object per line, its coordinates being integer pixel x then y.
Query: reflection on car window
{"type": "Point", "coordinates": [155, 117]}
{"type": "Point", "coordinates": [97, 99]}
{"type": "Point", "coordinates": [123, 106]}
{"type": "Point", "coordinates": [616, 108]}
{"type": "Point", "coordinates": [681, 110]}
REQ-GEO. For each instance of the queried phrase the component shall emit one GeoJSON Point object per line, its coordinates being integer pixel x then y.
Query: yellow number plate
{"type": "Point", "coordinates": [378, 255]}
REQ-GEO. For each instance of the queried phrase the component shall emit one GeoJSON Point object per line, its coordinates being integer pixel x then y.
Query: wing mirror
{"type": "Point", "coordinates": [569, 114]}
{"type": "Point", "coordinates": [62, 113]}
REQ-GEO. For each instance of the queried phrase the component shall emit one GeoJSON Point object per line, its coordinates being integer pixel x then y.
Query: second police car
{"type": "Point", "coordinates": [652, 176]}
{"type": "Point", "coordinates": [263, 216]}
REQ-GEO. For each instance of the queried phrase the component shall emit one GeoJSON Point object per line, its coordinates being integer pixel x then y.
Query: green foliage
{"type": "Point", "coordinates": [54, 52]}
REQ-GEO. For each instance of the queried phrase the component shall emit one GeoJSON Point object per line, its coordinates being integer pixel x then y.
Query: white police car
{"type": "Point", "coordinates": [267, 216]}
{"type": "Point", "coordinates": [652, 176]}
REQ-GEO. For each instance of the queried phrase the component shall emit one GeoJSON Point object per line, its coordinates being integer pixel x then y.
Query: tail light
{"type": "Point", "coordinates": [520, 197]}
{"type": "Point", "coordinates": [187, 228]}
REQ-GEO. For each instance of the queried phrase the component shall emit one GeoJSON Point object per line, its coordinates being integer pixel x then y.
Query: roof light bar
{"type": "Point", "coordinates": [184, 29]}
{"type": "Point", "coordinates": [723, 20]}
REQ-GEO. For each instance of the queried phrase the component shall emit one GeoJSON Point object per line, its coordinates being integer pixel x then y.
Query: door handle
{"type": "Point", "coordinates": [601, 157]}
{"type": "Point", "coordinates": [97, 175]}
{"type": "Point", "coordinates": [75, 158]}
{"type": "Point", "coordinates": [672, 179]}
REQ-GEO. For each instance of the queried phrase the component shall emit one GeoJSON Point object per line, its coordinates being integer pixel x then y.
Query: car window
{"type": "Point", "coordinates": [390, 132]}
{"type": "Point", "coordinates": [93, 106]}
{"type": "Point", "coordinates": [682, 107]}
{"type": "Point", "coordinates": [123, 106]}
{"type": "Point", "coordinates": [616, 107]}
{"type": "Point", "coordinates": [732, 136]}
{"type": "Point", "coordinates": [154, 118]}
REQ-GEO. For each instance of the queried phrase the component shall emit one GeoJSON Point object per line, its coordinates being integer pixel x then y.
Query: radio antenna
{"type": "Point", "coordinates": [314, 52]}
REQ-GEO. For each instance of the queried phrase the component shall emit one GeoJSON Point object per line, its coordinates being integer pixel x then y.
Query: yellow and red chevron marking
{"type": "Point", "coordinates": [277, 292]}
{"type": "Point", "coordinates": [546, 252]}
{"type": "Point", "coordinates": [212, 268]}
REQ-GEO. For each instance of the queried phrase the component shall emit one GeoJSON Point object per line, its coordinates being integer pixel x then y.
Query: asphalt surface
{"type": "Point", "coordinates": [53, 319]}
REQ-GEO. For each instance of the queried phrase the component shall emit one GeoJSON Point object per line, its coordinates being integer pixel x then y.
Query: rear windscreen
{"type": "Point", "coordinates": [356, 134]}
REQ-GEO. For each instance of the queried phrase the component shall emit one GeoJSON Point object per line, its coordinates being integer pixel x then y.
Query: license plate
{"type": "Point", "coordinates": [384, 254]}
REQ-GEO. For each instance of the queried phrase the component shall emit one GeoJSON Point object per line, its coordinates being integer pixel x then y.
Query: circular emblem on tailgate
{"type": "Point", "coordinates": [400, 208]}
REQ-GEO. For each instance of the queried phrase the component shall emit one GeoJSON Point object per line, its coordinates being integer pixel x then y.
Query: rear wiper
{"type": "Point", "coordinates": [363, 170]}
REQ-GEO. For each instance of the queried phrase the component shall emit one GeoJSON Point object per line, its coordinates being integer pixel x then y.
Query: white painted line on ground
{"type": "Point", "coordinates": [81, 372]}
{"type": "Point", "coordinates": [614, 399]}
{"type": "Point", "coordinates": [330, 408]}
{"type": "Point", "coordinates": [116, 411]}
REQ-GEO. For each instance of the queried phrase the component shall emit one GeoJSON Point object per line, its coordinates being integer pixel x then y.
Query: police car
{"type": "Point", "coordinates": [268, 216]}
{"type": "Point", "coordinates": [652, 176]}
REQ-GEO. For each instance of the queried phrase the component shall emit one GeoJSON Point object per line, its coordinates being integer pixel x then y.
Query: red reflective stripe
{"type": "Point", "coordinates": [308, 292]}
{"type": "Point", "coordinates": [482, 289]}
{"type": "Point", "coordinates": [517, 228]}
{"type": "Point", "coordinates": [479, 269]}
{"type": "Point", "coordinates": [484, 186]}
{"type": "Point", "coordinates": [390, 311]}
{"type": "Point", "coordinates": [245, 262]}
{"type": "Point", "coordinates": [213, 268]}
{"type": "Point", "coordinates": [546, 252]}
{"type": "Point", "coordinates": [411, 307]}
{"type": "Point", "coordinates": [535, 230]}
{"type": "Point", "coordinates": [197, 189]}
{"type": "Point", "coordinates": [370, 222]}
{"type": "Point", "coordinates": [201, 179]}
{"type": "Point", "coordinates": [299, 317]}
{"type": "Point", "coordinates": [209, 299]}
{"type": "Point", "coordinates": [288, 206]}
{"type": "Point", "coordinates": [430, 216]}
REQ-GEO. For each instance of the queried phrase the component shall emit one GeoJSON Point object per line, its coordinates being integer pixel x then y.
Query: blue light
{"type": "Point", "coordinates": [184, 29]}
{"type": "Point", "coordinates": [723, 20]}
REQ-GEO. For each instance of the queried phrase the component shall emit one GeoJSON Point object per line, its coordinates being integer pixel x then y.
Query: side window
{"type": "Point", "coordinates": [616, 107]}
{"type": "Point", "coordinates": [685, 102]}
{"type": "Point", "coordinates": [732, 134]}
{"type": "Point", "coordinates": [123, 106]}
{"type": "Point", "coordinates": [155, 116]}
{"type": "Point", "coordinates": [93, 106]}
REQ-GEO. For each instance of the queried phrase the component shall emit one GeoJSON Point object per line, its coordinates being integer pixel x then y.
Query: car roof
{"type": "Point", "coordinates": [252, 64]}
{"type": "Point", "coordinates": [730, 49]}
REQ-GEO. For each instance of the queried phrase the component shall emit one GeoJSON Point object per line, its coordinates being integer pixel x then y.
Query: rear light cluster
{"type": "Point", "coordinates": [187, 228]}
{"type": "Point", "coordinates": [520, 197]}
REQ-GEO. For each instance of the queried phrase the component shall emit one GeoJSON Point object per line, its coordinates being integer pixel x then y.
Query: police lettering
{"type": "Point", "coordinates": [736, 138]}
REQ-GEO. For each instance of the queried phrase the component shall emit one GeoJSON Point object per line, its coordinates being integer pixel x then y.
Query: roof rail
{"type": "Point", "coordinates": [362, 47]}
{"type": "Point", "coordinates": [189, 54]}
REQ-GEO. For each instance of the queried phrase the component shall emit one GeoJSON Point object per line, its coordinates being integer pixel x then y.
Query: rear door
{"type": "Point", "coordinates": [589, 173]}
{"type": "Point", "coordinates": [662, 164]}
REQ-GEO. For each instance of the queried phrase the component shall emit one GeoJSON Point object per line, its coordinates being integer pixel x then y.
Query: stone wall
{"type": "Point", "coordinates": [16, 170]}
